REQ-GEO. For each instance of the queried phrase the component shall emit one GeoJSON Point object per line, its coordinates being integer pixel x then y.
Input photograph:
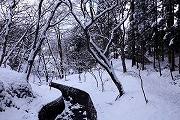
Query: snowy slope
{"type": "Point", "coordinates": [162, 94]}
{"type": "Point", "coordinates": [24, 108]}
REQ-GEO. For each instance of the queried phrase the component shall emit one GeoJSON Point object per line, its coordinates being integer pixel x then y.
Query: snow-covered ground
{"type": "Point", "coordinates": [23, 108]}
{"type": "Point", "coordinates": [162, 93]}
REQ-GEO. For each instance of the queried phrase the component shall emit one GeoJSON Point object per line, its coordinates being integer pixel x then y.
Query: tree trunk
{"type": "Point", "coordinates": [179, 61]}
{"type": "Point", "coordinates": [133, 42]}
{"type": "Point", "coordinates": [103, 61]}
{"type": "Point", "coordinates": [154, 54]}
{"type": "Point", "coordinates": [56, 64]}
{"type": "Point", "coordinates": [142, 54]}
{"type": "Point", "coordinates": [170, 23]}
{"type": "Point", "coordinates": [58, 34]}
{"type": "Point", "coordinates": [7, 28]}
{"type": "Point", "coordinates": [122, 46]}
{"type": "Point", "coordinates": [37, 45]}
{"type": "Point", "coordinates": [45, 68]}
{"type": "Point", "coordinates": [172, 60]}
{"type": "Point", "coordinates": [4, 50]}
{"type": "Point", "coordinates": [162, 52]}
{"type": "Point", "coordinates": [133, 54]}
{"type": "Point", "coordinates": [123, 60]}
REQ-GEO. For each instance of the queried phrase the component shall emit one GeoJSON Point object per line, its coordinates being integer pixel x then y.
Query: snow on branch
{"type": "Point", "coordinates": [105, 11]}
{"type": "Point", "coordinates": [112, 32]}
{"type": "Point", "coordinates": [79, 22]}
{"type": "Point", "coordinates": [47, 24]}
{"type": "Point", "coordinates": [101, 55]}
{"type": "Point", "coordinates": [92, 16]}
{"type": "Point", "coordinates": [17, 43]}
{"type": "Point", "coordinates": [171, 42]}
{"type": "Point", "coordinates": [57, 22]}
{"type": "Point", "coordinates": [99, 35]}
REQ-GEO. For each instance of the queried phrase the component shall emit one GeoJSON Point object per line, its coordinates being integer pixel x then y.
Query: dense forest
{"type": "Point", "coordinates": [55, 38]}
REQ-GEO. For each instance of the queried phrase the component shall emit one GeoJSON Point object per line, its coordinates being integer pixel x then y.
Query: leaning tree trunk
{"type": "Point", "coordinates": [96, 52]}
{"type": "Point", "coordinates": [103, 61]}
{"type": "Point", "coordinates": [111, 72]}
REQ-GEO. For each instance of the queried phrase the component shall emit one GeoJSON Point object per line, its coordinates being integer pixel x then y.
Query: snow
{"type": "Point", "coordinates": [162, 93]}
{"type": "Point", "coordinates": [166, 36]}
{"type": "Point", "coordinates": [171, 42]}
{"type": "Point", "coordinates": [153, 24]}
{"type": "Point", "coordinates": [24, 108]}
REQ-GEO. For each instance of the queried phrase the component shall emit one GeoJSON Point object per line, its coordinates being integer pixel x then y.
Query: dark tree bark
{"type": "Point", "coordinates": [58, 34]}
{"type": "Point", "coordinates": [178, 21]}
{"type": "Point", "coordinates": [133, 41]}
{"type": "Point", "coordinates": [133, 54]}
{"type": "Point", "coordinates": [45, 68]}
{"type": "Point", "coordinates": [122, 47]}
{"type": "Point", "coordinates": [154, 56]}
{"type": "Point", "coordinates": [170, 23]}
{"type": "Point", "coordinates": [179, 61]}
{"type": "Point", "coordinates": [34, 50]}
{"type": "Point", "coordinates": [142, 54]}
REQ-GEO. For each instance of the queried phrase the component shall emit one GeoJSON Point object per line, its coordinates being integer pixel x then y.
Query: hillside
{"type": "Point", "coordinates": [162, 93]}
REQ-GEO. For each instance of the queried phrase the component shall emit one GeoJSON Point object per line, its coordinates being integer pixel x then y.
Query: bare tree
{"type": "Point", "coordinates": [40, 33]}
{"type": "Point", "coordinates": [88, 11]}
{"type": "Point", "coordinates": [15, 32]}
{"type": "Point", "coordinates": [11, 7]}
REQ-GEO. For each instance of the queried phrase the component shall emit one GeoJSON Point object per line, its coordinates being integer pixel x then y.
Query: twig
{"type": "Point", "coordinates": [142, 87]}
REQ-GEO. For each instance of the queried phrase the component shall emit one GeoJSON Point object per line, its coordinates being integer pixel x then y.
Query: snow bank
{"type": "Point", "coordinates": [20, 100]}
{"type": "Point", "coordinates": [12, 86]}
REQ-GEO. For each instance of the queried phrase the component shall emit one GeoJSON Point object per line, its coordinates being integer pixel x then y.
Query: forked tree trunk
{"type": "Point", "coordinates": [96, 52]}
{"type": "Point", "coordinates": [103, 61]}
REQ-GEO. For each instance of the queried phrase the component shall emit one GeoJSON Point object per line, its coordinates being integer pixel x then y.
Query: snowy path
{"type": "Point", "coordinates": [163, 89]}
{"type": "Point", "coordinates": [163, 96]}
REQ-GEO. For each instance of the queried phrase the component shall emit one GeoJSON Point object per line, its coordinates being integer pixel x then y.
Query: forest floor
{"type": "Point", "coordinates": [163, 94]}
